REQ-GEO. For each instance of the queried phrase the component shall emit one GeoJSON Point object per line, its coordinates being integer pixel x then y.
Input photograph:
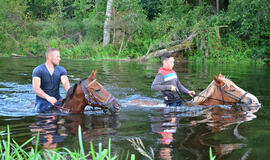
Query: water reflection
{"type": "Point", "coordinates": [218, 119]}
{"type": "Point", "coordinates": [47, 127]}
{"type": "Point", "coordinates": [196, 125]}
{"type": "Point", "coordinates": [165, 127]}
{"type": "Point", "coordinates": [54, 129]}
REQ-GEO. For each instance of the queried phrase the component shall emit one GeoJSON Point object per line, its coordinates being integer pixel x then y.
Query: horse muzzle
{"type": "Point", "coordinates": [114, 106]}
{"type": "Point", "coordinates": [251, 100]}
{"type": "Point", "coordinates": [251, 105]}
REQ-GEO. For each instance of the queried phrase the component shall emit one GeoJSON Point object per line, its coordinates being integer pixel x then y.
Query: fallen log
{"type": "Point", "coordinates": [186, 44]}
{"type": "Point", "coordinates": [16, 55]}
{"type": "Point", "coordinates": [19, 44]}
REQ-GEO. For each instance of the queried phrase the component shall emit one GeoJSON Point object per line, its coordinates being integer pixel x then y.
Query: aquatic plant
{"type": "Point", "coordinates": [139, 146]}
{"type": "Point", "coordinates": [211, 154]}
{"type": "Point", "coordinates": [11, 150]}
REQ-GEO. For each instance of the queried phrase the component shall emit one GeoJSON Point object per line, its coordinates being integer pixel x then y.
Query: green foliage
{"type": "Point", "coordinates": [11, 150]}
{"type": "Point", "coordinates": [12, 26]}
{"type": "Point", "coordinates": [137, 27]}
{"type": "Point", "coordinates": [249, 21]}
{"type": "Point", "coordinates": [152, 8]}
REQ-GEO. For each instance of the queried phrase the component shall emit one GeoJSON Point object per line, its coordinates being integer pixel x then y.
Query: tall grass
{"type": "Point", "coordinates": [139, 146]}
{"type": "Point", "coordinates": [11, 150]}
{"type": "Point", "coordinates": [211, 154]}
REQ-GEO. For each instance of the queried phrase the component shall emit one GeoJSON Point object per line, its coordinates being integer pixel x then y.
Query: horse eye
{"type": "Point", "coordinates": [232, 90]}
{"type": "Point", "coordinates": [98, 90]}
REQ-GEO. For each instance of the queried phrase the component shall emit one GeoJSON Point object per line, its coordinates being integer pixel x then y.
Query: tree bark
{"type": "Point", "coordinates": [106, 33]}
{"type": "Point", "coordinates": [200, 3]}
{"type": "Point", "coordinates": [218, 10]}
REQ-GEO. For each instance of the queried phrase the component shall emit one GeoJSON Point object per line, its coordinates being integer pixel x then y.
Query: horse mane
{"type": "Point", "coordinates": [208, 92]}
{"type": "Point", "coordinates": [71, 90]}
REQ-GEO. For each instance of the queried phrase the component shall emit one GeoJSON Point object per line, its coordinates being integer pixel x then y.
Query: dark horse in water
{"type": "Point", "coordinates": [89, 92]}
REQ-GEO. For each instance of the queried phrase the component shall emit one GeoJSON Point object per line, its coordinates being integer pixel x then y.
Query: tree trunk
{"type": "Point", "coordinates": [200, 3]}
{"type": "Point", "coordinates": [186, 44]}
{"type": "Point", "coordinates": [106, 34]}
{"type": "Point", "coordinates": [218, 10]}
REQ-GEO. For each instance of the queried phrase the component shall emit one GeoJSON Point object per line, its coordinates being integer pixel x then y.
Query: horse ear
{"type": "Point", "coordinates": [220, 76]}
{"type": "Point", "coordinates": [93, 75]}
{"type": "Point", "coordinates": [218, 81]}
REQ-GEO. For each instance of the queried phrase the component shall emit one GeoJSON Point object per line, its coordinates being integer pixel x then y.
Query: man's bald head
{"type": "Point", "coordinates": [53, 56]}
{"type": "Point", "coordinates": [50, 51]}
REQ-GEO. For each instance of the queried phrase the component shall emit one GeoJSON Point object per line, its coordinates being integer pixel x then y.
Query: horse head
{"type": "Point", "coordinates": [90, 92]}
{"type": "Point", "coordinates": [98, 95]}
{"type": "Point", "coordinates": [223, 91]}
{"type": "Point", "coordinates": [234, 94]}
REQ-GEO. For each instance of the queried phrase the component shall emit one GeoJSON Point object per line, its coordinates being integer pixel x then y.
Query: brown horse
{"type": "Point", "coordinates": [221, 91]}
{"type": "Point", "coordinates": [89, 92]}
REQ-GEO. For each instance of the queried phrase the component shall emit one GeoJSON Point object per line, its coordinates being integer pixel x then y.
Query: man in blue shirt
{"type": "Point", "coordinates": [46, 79]}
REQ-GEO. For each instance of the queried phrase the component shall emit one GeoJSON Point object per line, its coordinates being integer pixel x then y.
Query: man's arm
{"type": "Point", "coordinates": [182, 89]}
{"type": "Point", "coordinates": [157, 84]}
{"type": "Point", "coordinates": [65, 82]}
{"type": "Point", "coordinates": [36, 82]}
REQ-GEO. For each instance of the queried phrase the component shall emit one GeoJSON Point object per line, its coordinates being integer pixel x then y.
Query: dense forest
{"type": "Point", "coordinates": [216, 30]}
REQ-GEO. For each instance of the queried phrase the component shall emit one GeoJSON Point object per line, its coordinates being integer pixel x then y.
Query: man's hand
{"type": "Point", "coordinates": [173, 88]}
{"type": "Point", "coordinates": [166, 98]}
{"type": "Point", "coordinates": [191, 93]}
{"type": "Point", "coordinates": [50, 99]}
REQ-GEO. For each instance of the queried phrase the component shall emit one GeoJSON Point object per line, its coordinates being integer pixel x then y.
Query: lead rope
{"type": "Point", "coordinates": [60, 107]}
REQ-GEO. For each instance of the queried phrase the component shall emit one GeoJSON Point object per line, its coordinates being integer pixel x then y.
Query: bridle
{"type": "Point", "coordinates": [91, 98]}
{"type": "Point", "coordinates": [232, 96]}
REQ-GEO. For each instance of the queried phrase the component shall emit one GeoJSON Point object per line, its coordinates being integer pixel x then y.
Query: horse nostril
{"type": "Point", "coordinates": [117, 105]}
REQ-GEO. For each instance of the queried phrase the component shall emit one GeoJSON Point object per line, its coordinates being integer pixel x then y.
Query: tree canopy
{"type": "Point", "coordinates": [224, 29]}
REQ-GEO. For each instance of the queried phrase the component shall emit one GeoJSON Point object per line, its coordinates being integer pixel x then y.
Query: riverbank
{"type": "Point", "coordinates": [195, 58]}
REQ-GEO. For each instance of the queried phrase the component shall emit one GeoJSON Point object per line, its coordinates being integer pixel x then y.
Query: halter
{"type": "Point", "coordinates": [91, 98]}
{"type": "Point", "coordinates": [232, 96]}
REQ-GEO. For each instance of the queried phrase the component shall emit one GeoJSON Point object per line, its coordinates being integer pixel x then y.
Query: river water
{"type": "Point", "coordinates": [173, 133]}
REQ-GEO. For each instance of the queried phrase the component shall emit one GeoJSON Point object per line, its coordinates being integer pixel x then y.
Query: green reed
{"type": "Point", "coordinates": [211, 154]}
{"type": "Point", "coordinates": [11, 150]}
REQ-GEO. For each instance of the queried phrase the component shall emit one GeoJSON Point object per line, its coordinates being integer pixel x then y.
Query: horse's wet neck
{"type": "Point", "coordinates": [75, 107]}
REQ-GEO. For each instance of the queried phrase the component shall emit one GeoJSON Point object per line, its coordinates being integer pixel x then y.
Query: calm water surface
{"type": "Point", "coordinates": [173, 133]}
